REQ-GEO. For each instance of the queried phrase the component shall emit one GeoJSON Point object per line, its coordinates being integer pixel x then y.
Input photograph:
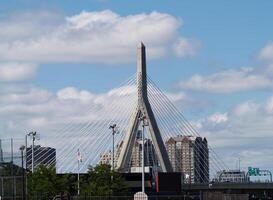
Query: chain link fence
{"type": "Point", "coordinates": [87, 197]}
{"type": "Point", "coordinates": [11, 169]}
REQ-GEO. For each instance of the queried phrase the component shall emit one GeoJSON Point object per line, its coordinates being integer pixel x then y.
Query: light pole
{"type": "Point", "coordinates": [114, 131]}
{"type": "Point", "coordinates": [79, 160]}
{"type": "Point", "coordinates": [144, 123]}
{"type": "Point", "coordinates": [22, 148]}
{"type": "Point", "coordinates": [239, 163]}
{"type": "Point", "coordinates": [33, 135]}
{"type": "Point", "coordinates": [26, 165]}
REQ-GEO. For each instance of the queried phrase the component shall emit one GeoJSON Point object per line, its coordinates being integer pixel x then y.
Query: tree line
{"type": "Point", "coordinates": [99, 181]}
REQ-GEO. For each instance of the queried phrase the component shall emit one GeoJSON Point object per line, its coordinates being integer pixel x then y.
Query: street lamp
{"type": "Point", "coordinates": [33, 135]}
{"type": "Point", "coordinates": [79, 160]}
{"type": "Point", "coordinates": [144, 123]}
{"type": "Point", "coordinates": [22, 148]}
{"type": "Point", "coordinates": [114, 132]}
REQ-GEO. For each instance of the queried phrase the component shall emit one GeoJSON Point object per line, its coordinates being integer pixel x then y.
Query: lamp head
{"type": "Point", "coordinates": [32, 133]}
{"type": "Point", "coordinates": [112, 126]}
{"type": "Point", "coordinates": [22, 148]}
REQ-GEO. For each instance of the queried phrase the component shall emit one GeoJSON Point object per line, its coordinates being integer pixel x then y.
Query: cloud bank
{"type": "Point", "coordinates": [98, 37]}
{"type": "Point", "coordinates": [234, 80]}
{"type": "Point", "coordinates": [228, 81]}
{"type": "Point", "coordinates": [13, 72]}
{"type": "Point", "coordinates": [244, 131]}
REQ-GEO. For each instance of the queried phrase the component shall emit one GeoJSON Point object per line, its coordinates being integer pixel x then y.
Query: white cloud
{"type": "Point", "coordinates": [73, 93]}
{"type": "Point", "coordinates": [269, 105]}
{"type": "Point", "coordinates": [245, 130]}
{"type": "Point", "coordinates": [246, 108]}
{"type": "Point", "coordinates": [267, 52]}
{"type": "Point", "coordinates": [186, 47]}
{"type": "Point", "coordinates": [176, 97]}
{"type": "Point", "coordinates": [37, 122]}
{"type": "Point", "coordinates": [69, 112]}
{"type": "Point", "coordinates": [34, 107]}
{"type": "Point", "coordinates": [227, 81]}
{"type": "Point", "coordinates": [32, 96]}
{"type": "Point", "coordinates": [85, 20]}
{"type": "Point", "coordinates": [12, 71]}
{"type": "Point", "coordinates": [248, 119]}
{"type": "Point", "coordinates": [235, 80]}
{"type": "Point", "coordinates": [122, 91]}
{"type": "Point", "coordinates": [27, 25]}
{"type": "Point", "coordinates": [218, 118]}
{"type": "Point", "coordinates": [100, 37]}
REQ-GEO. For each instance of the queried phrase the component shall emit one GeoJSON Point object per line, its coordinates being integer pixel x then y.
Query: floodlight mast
{"type": "Point", "coordinates": [33, 135]}
{"type": "Point", "coordinates": [114, 131]}
{"type": "Point", "coordinates": [22, 148]}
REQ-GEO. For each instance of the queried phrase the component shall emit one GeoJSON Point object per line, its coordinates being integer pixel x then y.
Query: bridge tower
{"type": "Point", "coordinates": [143, 109]}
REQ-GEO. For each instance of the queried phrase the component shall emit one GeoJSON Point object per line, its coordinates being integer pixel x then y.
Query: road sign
{"type": "Point", "coordinates": [253, 171]}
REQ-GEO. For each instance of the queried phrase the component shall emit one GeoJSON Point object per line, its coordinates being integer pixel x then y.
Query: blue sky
{"type": "Point", "coordinates": [224, 70]}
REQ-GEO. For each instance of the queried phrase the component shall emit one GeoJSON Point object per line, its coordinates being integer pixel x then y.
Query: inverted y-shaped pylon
{"type": "Point", "coordinates": [143, 109]}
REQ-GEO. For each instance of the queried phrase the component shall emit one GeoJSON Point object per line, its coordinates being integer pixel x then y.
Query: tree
{"type": "Point", "coordinates": [102, 181]}
{"type": "Point", "coordinates": [45, 182]}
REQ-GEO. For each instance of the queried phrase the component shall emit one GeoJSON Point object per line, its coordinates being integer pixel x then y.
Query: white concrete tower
{"type": "Point", "coordinates": [143, 109]}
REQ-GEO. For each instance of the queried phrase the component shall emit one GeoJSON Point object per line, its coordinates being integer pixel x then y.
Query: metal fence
{"type": "Point", "coordinates": [85, 197]}
{"type": "Point", "coordinates": [11, 171]}
{"type": "Point", "coordinates": [45, 197]}
{"type": "Point", "coordinates": [11, 188]}
{"type": "Point", "coordinates": [165, 197]}
{"type": "Point", "coordinates": [10, 151]}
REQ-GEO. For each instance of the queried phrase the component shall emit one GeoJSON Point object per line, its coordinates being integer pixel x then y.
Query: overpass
{"type": "Point", "coordinates": [261, 190]}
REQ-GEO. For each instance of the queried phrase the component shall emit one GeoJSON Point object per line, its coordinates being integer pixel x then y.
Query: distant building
{"type": "Point", "coordinates": [234, 176]}
{"type": "Point", "coordinates": [189, 155]}
{"type": "Point", "coordinates": [136, 158]}
{"type": "Point", "coordinates": [105, 158]}
{"type": "Point", "coordinates": [149, 152]}
{"type": "Point", "coordinates": [45, 156]}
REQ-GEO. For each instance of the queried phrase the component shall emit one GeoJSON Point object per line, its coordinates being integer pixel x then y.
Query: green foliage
{"type": "Point", "coordinates": [46, 182]}
{"type": "Point", "coordinates": [102, 181]}
{"type": "Point", "coordinates": [99, 181]}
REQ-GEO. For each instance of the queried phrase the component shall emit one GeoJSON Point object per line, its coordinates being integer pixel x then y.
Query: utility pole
{"type": "Point", "coordinates": [114, 131]}
{"type": "Point", "coordinates": [33, 135]}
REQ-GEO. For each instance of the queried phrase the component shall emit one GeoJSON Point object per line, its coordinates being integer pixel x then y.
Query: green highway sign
{"type": "Point", "coordinates": [253, 171]}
